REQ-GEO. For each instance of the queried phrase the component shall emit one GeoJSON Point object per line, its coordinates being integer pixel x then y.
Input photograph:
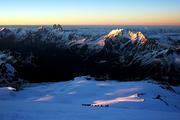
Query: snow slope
{"type": "Point", "coordinates": [63, 100]}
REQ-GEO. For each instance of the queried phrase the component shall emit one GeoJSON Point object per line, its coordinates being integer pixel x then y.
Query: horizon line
{"type": "Point", "coordinates": [89, 24]}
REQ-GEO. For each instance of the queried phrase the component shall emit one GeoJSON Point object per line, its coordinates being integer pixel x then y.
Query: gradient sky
{"type": "Point", "coordinates": [90, 12]}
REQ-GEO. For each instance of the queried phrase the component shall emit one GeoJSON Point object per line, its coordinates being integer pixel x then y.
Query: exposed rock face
{"type": "Point", "coordinates": [8, 74]}
{"type": "Point", "coordinates": [58, 27]}
{"type": "Point", "coordinates": [118, 53]}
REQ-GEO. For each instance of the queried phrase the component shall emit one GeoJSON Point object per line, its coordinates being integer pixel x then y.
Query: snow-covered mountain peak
{"type": "Point", "coordinates": [2, 29]}
{"type": "Point", "coordinates": [137, 36]}
{"type": "Point", "coordinates": [114, 33]}
{"type": "Point", "coordinates": [125, 36]}
{"type": "Point", "coordinates": [133, 36]}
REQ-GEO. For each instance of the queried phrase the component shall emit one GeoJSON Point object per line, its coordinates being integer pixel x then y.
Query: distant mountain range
{"type": "Point", "coordinates": [51, 54]}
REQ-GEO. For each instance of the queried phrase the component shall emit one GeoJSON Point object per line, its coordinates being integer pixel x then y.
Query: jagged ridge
{"type": "Point", "coordinates": [117, 50]}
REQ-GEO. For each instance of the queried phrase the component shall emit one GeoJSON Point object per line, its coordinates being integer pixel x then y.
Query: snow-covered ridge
{"type": "Point", "coordinates": [69, 38]}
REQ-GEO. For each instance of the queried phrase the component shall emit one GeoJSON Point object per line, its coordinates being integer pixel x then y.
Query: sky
{"type": "Point", "coordinates": [90, 12]}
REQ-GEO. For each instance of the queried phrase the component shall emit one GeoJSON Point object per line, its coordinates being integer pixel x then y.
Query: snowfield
{"type": "Point", "coordinates": [91, 100]}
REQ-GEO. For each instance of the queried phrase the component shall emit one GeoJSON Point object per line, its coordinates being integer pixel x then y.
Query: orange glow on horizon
{"type": "Point", "coordinates": [90, 21]}
{"type": "Point", "coordinates": [90, 12]}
